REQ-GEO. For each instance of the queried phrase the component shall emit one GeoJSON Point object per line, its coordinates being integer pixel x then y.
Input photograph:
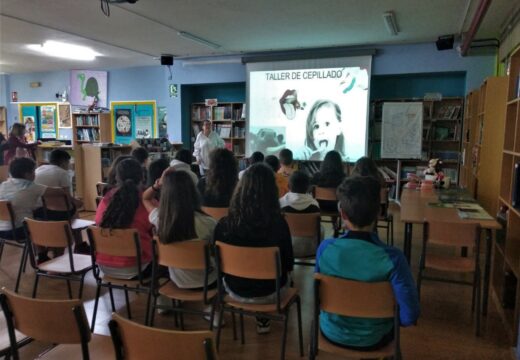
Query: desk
{"type": "Point", "coordinates": [415, 210]}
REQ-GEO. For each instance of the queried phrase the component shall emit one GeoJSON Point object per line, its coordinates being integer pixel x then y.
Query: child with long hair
{"type": "Point", "coordinates": [178, 217]}
{"type": "Point", "coordinates": [331, 175]}
{"type": "Point", "coordinates": [122, 208]}
{"type": "Point", "coordinates": [217, 186]}
{"type": "Point", "coordinates": [255, 220]}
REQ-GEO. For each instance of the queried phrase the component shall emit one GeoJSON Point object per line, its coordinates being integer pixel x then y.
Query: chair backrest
{"type": "Point", "coordinates": [189, 255]}
{"type": "Point", "coordinates": [52, 321]}
{"type": "Point", "coordinates": [322, 193]}
{"type": "Point", "coordinates": [138, 342]}
{"type": "Point", "coordinates": [115, 242]}
{"type": "Point", "coordinates": [261, 263]}
{"type": "Point", "coordinates": [216, 213]}
{"type": "Point", "coordinates": [57, 203]}
{"type": "Point", "coordinates": [100, 187]}
{"type": "Point", "coordinates": [6, 211]}
{"type": "Point", "coordinates": [452, 233]}
{"type": "Point", "coordinates": [355, 298]}
{"type": "Point", "coordinates": [4, 172]}
{"type": "Point", "coordinates": [304, 225]}
{"type": "Point", "coordinates": [49, 233]}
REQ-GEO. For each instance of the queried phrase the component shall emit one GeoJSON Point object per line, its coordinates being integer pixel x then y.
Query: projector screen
{"type": "Point", "coordinates": [309, 107]}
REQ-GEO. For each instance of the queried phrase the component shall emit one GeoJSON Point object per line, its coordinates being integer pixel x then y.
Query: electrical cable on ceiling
{"type": "Point", "coordinates": [105, 8]}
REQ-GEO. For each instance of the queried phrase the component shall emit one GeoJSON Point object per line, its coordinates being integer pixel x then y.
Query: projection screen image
{"type": "Point", "coordinates": [309, 111]}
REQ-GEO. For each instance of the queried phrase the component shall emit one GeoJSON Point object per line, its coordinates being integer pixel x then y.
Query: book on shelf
{"type": "Point", "coordinates": [225, 131]}
{"type": "Point", "coordinates": [196, 129]}
{"type": "Point", "coordinates": [441, 133]}
{"type": "Point", "coordinates": [515, 194]}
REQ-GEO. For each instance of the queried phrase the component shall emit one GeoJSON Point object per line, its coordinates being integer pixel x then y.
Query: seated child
{"type": "Point", "coordinates": [182, 161]}
{"type": "Point", "coordinates": [56, 174]}
{"type": "Point", "coordinates": [360, 255]}
{"type": "Point", "coordinates": [298, 200]}
{"type": "Point", "coordinates": [24, 195]}
{"type": "Point", "coordinates": [256, 157]}
{"type": "Point", "coordinates": [281, 181]}
{"type": "Point", "coordinates": [287, 163]}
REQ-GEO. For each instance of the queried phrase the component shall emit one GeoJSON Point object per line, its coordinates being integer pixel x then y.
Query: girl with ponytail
{"type": "Point", "coordinates": [122, 208]}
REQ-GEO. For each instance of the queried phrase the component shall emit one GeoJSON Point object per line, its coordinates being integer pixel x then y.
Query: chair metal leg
{"type": "Point", "coordinates": [96, 303]}
{"type": "Point", "coordinates": [147, 313]}
{"type": "Point", "coordinates": [175, 314]}
{"type": "Point", "coordinates": [284, 336]}
{"type": "Point", "coordinates": [242, 335]}
{"type": "Point", "coordinates": [35, 287]}
{"type": "Point", "coordinates": [127, 303]}
{"type": "Point", "coordinates": [81, 283]}
{"type": "Point", "coordinates": [392, 232]}
{"type": "Point", "coordinates": [69, 289]}
{"type": "Point", "coordinates": [112, 298]}
{"type": "Point", "coordinates": [221, 316]}
{"type": "Point", "coordinates": [312, 344]}
{"type": "Point", "coordinates": [234, 325]}
{"type": "Point", "coordinates": [478, 312]}
{"type": "Point", "coordinates": [181, 315]}
{"type": "Point", "coordinates": [474, 291]}
{"type": "Point", "coordinates": [419, 279]}
{"type": "Point", "coordinates": [300, 335]}
{"type": "Point", "coordinates": [22, 265]}
{"type": "Point", "coordinates": [212, 314]}
{"type": "Point", "coordinates": [2, 242]}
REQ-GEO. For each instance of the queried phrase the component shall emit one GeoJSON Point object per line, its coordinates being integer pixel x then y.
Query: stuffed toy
{"type": "Point", "coordinates": [435, 169]}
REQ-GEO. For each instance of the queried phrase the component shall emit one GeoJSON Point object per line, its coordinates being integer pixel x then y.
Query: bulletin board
{"type": "Point", "coordinates": [40, 120]}
{"type": "Point", "coordinates": [401, 136]}
{"type": "Point", "coordinates": [133, 120]}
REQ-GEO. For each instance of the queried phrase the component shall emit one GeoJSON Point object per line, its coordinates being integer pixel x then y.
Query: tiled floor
{"type": "Point", "coordinates": [445, 329]}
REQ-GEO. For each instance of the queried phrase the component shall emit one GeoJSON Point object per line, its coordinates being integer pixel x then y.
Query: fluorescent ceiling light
{"type": "Point", "coordinates": [64, 50]}
{"type": "Point", "coordinates": [390, 22]}
{"type": "Point", "coordinates": [202, 41]}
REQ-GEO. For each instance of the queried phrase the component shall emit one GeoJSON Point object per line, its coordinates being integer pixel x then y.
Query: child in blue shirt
{"type": "Point", "coordinates": [360, 255]}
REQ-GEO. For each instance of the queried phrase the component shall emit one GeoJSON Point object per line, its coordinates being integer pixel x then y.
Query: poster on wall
{"type": "Point", "coordinates": [48, 122]}
{"type": "Point", "coordinates": [30, 129]}
{"type": "Point", "coordinates": [143, 127]}
{"type": "Point", "coordinates": [124, 122]}
{"type": "Point", "coordinates": [88, 87]}
{"type": "Point", "coordinates": [163, 121]}
{"type": "Point", "coordinates": [65, 120]}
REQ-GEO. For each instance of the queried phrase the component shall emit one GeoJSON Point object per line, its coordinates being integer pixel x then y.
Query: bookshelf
{"type": "Point", "coordinates": [97, 160]}
{"type": "Point", "coordinates": [469, 160]}
{"type": "Point", "coordinates": [229, 121]}
{"type": "Point", "coordinates": [91, 127]}
{"type": "Point", "coordinates": [506, 262]}
{"type": "Point", "coordinates": [442, 128]}
{"type": "Point", "coordinates": [3, 120]}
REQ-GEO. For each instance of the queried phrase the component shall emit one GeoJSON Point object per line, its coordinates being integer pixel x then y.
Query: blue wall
{"type": "Point", "coordinates": [151, 82]}
{"type": "Point", "coordinates": [416, 85]}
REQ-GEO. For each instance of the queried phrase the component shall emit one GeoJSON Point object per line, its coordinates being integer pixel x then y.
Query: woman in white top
{"type": "Point", "coordinates": [179, 218]}
{"type": "Point", "coordinates": [206, 141]}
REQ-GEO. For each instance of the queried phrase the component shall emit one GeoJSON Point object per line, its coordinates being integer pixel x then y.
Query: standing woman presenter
{"type": "Point", "coordinates": [206, 141]}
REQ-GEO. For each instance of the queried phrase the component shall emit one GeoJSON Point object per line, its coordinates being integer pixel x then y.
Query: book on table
{"type": "Point", "coordinates": [473, 212]}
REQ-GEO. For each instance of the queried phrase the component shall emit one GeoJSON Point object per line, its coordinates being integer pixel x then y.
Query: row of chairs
{"type": "Point", "coordinates": [32, 318]}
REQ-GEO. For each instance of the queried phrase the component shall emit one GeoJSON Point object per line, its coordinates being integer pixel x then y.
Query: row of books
{"type": "Point", "coordinates": [202, 113]}
{"type": "Point", "coordinates": [89, 134]}
{"type": "Point", "coordinates": [448, 112]}
{"type": "Point", "coordinates": [87, 120]}
{"type": "Point", "coordinates": [441, 132]}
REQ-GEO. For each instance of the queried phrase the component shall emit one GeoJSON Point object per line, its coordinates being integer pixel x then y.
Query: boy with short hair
{"type": "Point", "coordinates": [298, 200]}
{"type": "Point", "coordinates": [256, 157]}
{"type": "Point", "coordinates": [286, 161]}
{"type": "Point", "coordinates": [360, 255]}
{"type": "Point", "coordinates": [182, 162]}
{"type": "Point", "coordinates": [24, 195]}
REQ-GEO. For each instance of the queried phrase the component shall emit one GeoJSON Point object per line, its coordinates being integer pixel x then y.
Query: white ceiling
{"type": "Point", "coordinates": [134, 34]}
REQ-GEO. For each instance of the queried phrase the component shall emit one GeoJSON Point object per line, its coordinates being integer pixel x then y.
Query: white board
{"type": "Point", "coordinates": [401, 136]}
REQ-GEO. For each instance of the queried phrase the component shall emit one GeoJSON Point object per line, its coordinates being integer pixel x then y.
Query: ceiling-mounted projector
{"type": "Point", "coordinates": [121, 1]}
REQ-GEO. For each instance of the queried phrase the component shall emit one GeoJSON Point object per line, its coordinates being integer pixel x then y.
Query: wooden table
{"type": "Point", "coordinates": [415, 210]}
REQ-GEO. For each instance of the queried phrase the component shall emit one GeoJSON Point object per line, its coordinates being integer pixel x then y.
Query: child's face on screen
{"type": "Point", "coordinates": [325, 129]}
